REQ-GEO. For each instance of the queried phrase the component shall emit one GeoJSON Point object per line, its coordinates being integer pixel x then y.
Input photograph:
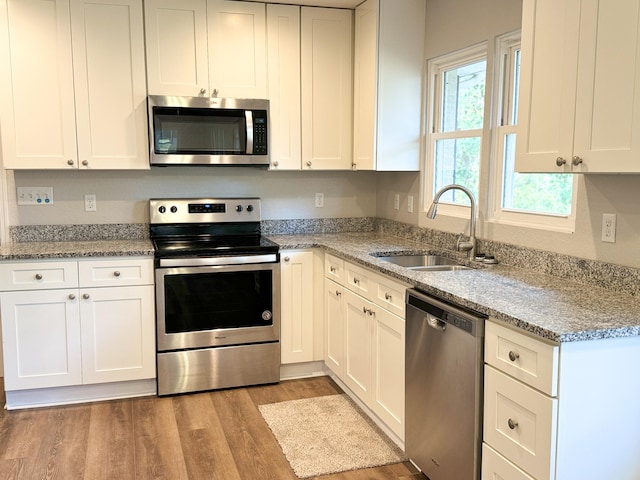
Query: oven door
{"type": "Point", "coordinates": [211, 306]}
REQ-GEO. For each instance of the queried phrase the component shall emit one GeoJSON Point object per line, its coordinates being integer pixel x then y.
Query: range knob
{"type": "Point", "coordinates": [174, 209]}
{"type": "Point", "coordinates": [238, 208]}
{"type": "Point", "coordinates": [249, 208]}
{"type": "Point", "coordinates": [162, 209]}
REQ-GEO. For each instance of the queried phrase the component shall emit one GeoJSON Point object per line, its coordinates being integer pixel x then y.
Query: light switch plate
{"type": "Point", "coordinates": [35, 195]}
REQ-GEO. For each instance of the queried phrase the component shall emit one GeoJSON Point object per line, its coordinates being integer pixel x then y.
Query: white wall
{"type": "Point", "coordinates": [122, 196]}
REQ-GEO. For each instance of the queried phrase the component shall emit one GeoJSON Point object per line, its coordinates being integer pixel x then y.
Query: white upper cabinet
{"type": "Point", "coordinates": [283, 60]}
{"type": "Point", "coordinates": [579, 108]}
{"type": "Point", "coordinates": [237, 49]}
{"type": "Point", "coordinates": [206, 48]}
{"type": "Point", "coordinates": [327, 83]}
{"type": "Point", "coordinates": [177, 58]}
{"type": "Point", "coordinates": [388, 75]}
{"type": "Point", "coordinates": [46, 123]}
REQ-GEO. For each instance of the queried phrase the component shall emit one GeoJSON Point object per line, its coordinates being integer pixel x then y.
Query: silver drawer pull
{"type": "Point", "coordinates": [356, 281]}
{"type": "Point", "coordinates": [286, 259]}
{"type": "Point", "coordinates": [512, 424]}
{"type": "Point", "coordinates": [116, 273]}
{"type": "Point", "coordinates": [86, 296]}
{"type": "Point", "coordinates": [72, 296]}
{"type": "Point", "coordinates": [338, 293]}
{"type": "Point", "coordinates": [513, 356]}
{"type": "Point", "coordinates": [333, 269]}
{"type": "Point", "coordinates": [38, 276]}
{"type": "Point", "coordinates": [387, 296]}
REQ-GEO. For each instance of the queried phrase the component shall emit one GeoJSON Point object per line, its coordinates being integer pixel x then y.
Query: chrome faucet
{"type": "Point", "coordinates": [469, 246]}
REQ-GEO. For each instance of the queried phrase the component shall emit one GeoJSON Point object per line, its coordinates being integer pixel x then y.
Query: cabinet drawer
{"type": "Point", "coordinates": [495, 466]}
{"type": "Point", "coordinates": [38, 275]}
{"type": "Point", "coordinates": [520, 423]}
{"type": "Point", "coordinates": [108, 273]}
{"type": "Point", "coordinates": [359, 280]}
{"type": "Point", "coordinates": [334, 268]}
{"type": "Point", "coordinates": [389, 295]}
{"type": "Point", "coordinates": [531, 361]}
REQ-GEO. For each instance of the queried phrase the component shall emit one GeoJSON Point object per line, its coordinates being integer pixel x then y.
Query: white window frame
{"type": "Point", "coordinates": [435, 68]}
{"type": "Point", "coordinates": [504, 46]}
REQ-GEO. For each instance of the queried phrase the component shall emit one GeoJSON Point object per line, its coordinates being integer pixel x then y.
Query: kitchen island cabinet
{"type": "Point", "coordinates": [71, 324]}
{"type": "Point", "coordinates": [93, 115]}
{"type": "Point", "coordinates": [579, 106]}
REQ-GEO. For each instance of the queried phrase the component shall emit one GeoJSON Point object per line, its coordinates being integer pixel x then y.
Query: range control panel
{"type": "Point", "coordinates": [204, 210]}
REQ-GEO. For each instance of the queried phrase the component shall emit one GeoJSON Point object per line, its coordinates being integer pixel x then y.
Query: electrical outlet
{"type": "Point", "coordinates": [396, 201]}
{"type": "Point", "coordinates": [410, 204]}
{"type": "Point", "coordinates": [319, 200]}
{"type": "Point", "coordinates": [90, 202]}
{"type": "Point", "coordinates": [35, 195]}
{"type": "Point", "coordinates": [609, 227]}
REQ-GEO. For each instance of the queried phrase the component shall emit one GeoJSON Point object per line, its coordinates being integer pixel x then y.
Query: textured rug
{"type": "Point", "coordinates": [330, 434]}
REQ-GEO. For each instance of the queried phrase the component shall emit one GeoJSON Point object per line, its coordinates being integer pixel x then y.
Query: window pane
{"type": "Point", "coordinates": [463, 97]}
{"type": "Point", "coordinates": [457, 161]}
{"type": "Point", "coordinates": [534, 192]}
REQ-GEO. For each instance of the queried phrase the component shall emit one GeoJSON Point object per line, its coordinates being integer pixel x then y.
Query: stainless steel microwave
{"type": "Point", "coordinates": [208, 131]}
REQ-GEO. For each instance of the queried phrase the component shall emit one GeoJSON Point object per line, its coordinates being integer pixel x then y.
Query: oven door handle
{"type": "Point", "coordinates": [215, 261]}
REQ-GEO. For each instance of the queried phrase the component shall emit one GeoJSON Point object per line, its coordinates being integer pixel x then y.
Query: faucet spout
{"type": "Point", "coordinates": [470, 246]}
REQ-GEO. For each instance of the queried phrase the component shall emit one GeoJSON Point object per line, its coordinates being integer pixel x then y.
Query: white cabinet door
{"type": "Point", "coordinates": [358, 345]}
{"type": "Point", "coordinates": [41, 339]}
{"type": "Point", "coordinates": [388, 78]}
{"type": "Point", "coordinates": [176, 43]}
{"type": "Point", "coordinates": [334, 327]}
{"type": "Point", "coordinates": [388, 369]}
{"type": "Point", "coordinates": [37, 113]}
{"type": "Point", "coordinates": [110, 84]}
{"type": "Point", "coordinates": [296, 274]}
{"type": "Point", "coordinates": [118, 334]}
{"type": "Point", "coordinates": [572, 116]}
{"type": "Point", "coordinates": [283, 44]}
{"type": "Point", "coordinates": [237, 48]}
{"type": "Point", "coordinates": [327, 74]}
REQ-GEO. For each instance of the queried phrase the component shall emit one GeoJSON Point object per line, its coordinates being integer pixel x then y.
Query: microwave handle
{"type": "Point", "coordinates": [249, 121]}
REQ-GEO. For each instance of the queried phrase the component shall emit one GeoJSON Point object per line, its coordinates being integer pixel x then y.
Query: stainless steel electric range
{"type": "Point", "coordinates": [217, 295]}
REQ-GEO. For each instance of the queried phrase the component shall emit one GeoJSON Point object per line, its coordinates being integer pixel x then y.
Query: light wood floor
{"type": "Point", "coordinates": [205, 436]}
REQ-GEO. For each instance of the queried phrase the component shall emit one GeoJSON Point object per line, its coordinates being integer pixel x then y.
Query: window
{"type": "Point", "coordinates": [458, 90]}
{"type": "Point", "coordinates": [522, 198]}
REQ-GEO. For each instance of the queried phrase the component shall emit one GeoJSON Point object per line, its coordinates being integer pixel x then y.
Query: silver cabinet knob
{"type": "Point", "coordinates": [338, 293]}
{"type": "Point", "coordinates": [203, 91]}
{"type": "Point", "coordinates": [276, 163]}
{"type": "Point", "coordinates": [116, 273]}
{"type": "Point", "coordinates": [85, 162]}
{"type": "Point", "coordinates": [387, 296]}
{"type": "Point", "coordinates": [286, 259]}
{"type": "Point", "coordinates": [72, 296]}
{"type": "Point", "coordinates": [512, 424]}
{"type": "Point", "coordinates": [576, 160]}
{"type": "Point", "coordinates": [38, 276]}
{"type": "Point", "coordinates": [332, 269]}
{"type": "Point", "coordinates": [356, 281]}
{"type": "Point", "coordinates": [364, 309]}
{"type": "Point", "coordinates": [86, 296]}
{"type": "Point", "coordinates": [560, 161]}
{"type": "Point", "coordinates": [513, 356]}
{"type": "Point", "coordinates": [308, 163]}
{"type": "Point", "coordinates": [70, 162]}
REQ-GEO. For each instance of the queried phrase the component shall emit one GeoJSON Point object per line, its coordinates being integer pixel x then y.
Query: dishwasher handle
{"type": "Point", "coordinates": [436, 323]}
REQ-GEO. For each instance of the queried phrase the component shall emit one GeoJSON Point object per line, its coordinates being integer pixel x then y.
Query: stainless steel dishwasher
{"type": "Point", "coordinates": [444, 356]}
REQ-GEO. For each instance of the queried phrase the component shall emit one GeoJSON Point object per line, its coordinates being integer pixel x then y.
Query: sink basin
{"type": "Point", "coordinates": [425, 263]}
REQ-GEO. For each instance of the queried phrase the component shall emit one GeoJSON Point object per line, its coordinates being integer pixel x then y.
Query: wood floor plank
{"type": "Point", "coordinates": [110, 444]}
{"type": "Point", "coordinates": [204, 445]}
{"type": "Point", "coordinates": [254, 448]}
{"type": "Point", "coordinates": [157, 441]}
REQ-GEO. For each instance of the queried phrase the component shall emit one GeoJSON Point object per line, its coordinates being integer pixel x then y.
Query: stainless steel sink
{"type": "Point", "coordinates": [425, 263]}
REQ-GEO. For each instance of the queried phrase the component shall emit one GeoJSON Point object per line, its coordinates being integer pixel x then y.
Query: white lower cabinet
{"type": "Point", "coordinates": [297, 313]}
{"type": "Point", "coordinates": [365, 338]}
{"type": "Point", "coordinates": [74, 323]}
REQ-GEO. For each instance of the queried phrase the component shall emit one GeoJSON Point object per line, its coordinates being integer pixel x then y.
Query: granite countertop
{"type": "Point", "coordinates": [79, 249]}
{"type": "Point", "coordinates": [551, 308]}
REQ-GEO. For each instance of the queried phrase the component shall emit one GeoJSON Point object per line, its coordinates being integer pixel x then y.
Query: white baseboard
{"type": "Point", "coordinates": [303, 370]}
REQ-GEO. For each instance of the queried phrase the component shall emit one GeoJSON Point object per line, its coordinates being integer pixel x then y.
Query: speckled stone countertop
{"type": "Point", "coordinates": [76, 249]}
{"type": "Point", "coordinates": [555, 309]}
